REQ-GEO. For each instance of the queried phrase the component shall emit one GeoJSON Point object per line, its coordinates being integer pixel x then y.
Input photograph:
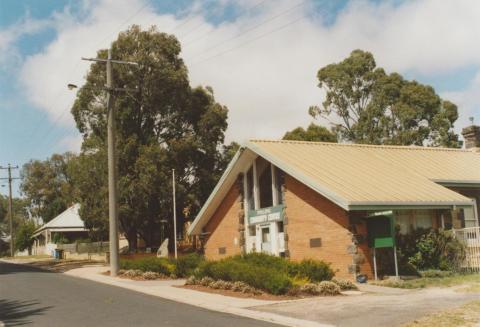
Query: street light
{"type": "Point", "coordinates": [72, 86]}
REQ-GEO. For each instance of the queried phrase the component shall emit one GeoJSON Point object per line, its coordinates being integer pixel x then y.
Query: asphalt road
{"type": "Point", "coordinates": [33, 297]}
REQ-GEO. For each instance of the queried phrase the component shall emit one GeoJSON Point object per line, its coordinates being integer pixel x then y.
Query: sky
{"type": "Point", "coordinates": [260, 56]}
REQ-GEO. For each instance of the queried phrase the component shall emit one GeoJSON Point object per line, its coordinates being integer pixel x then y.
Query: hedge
{"type": "Point", "coordinates": [272, 274]}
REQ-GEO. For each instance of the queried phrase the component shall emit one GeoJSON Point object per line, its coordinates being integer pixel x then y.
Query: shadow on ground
{"type": "Point", "coordinates": [16, 313]}
{"type": "Point", "coordinates": [10, 268]}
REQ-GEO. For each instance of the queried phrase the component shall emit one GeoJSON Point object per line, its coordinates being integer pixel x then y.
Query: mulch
{"type": "Point", "coordinates": [263, 296]}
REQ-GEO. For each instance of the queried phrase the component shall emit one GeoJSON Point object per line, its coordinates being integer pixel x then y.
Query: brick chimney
{"type": "Point", "coordinates": [471, 134]}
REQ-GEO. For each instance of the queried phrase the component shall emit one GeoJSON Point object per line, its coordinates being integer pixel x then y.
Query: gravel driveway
{"type": "Point", "coordinates": [378, 306]}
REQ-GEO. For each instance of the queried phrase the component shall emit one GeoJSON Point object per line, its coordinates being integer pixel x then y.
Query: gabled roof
{"type": "Point", "coordinates": [359, 177]}
{"type": "Point", "coordinates": [68, 220]}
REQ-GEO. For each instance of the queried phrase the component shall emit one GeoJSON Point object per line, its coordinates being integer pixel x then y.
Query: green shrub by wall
{"type": "Point", "coordinates": [158, 265]}
{"type": "Point", "coordinates": [186, 264]}
{"type": "Point", "coordinates": [269, 273]}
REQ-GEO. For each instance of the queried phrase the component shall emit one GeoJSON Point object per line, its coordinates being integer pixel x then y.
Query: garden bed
{"type": "Point", "coordinates": [260, 296]}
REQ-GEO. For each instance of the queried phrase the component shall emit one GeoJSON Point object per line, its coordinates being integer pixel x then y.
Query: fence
{"type": "Point", "coordinates": [94, 247]}
{"type": "Point", "coordinates": [471, 237]}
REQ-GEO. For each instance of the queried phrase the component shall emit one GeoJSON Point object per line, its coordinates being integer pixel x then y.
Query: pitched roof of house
{"type": "Point", "coordinates": [69, 220]}
{"type": "Point", "coordinates": [358, 177]}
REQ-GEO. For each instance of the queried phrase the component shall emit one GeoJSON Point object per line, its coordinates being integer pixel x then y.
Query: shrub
{"type": "Point", "coordinates": [438, 250]}
{"type": "Point", "coordinates": [345, 284]}
{"type": "Point", "coordinates": [158, 265]}
{"type": "Point", "coordinates": [206, 281]}
{"type": "Point", "coordinates": [328, 288]}
{"type": "Point", "coordinates": [315, 271]}
{"type": "Point", "coordinates": [272, 274]}
{"type": "Point", "coordinates": [300, 281]}
{"type": "Point", "coordinates": [310, 288]}
{"type": "Point", "coordinates": [133, 273]}
{"type": "Point", "coordinates": [295, 290]}
{"type": "Point", "coordinates": [221, 285]}
{"type": "Point", "coordinates": [150, 275]}
{"type": "Point", "coordinates": [192, 280]}
{"type": "Point", "coordinates": [258, 276]}
{"type": "Point", "coordinates": [436, 273]}
{"type": "Point", "coordinates": [186, 265]}
{"type": "Point", "coordinates": [239, 286]}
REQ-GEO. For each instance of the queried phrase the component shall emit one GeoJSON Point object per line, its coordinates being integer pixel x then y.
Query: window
{"type": "Point", "coordinates": [402, 220]}
{"type": "Point", "coordinates": [423, 219]}
{"type": "Point", "coordinates": [468, 216]}
{"type": "Point", "coordinates": [264, 173]}
{"type": "Point", "coordinates": [249, 190]}
{"type": "Point", "coordinates": [280, 226]}
{"type": "Point", "coordinates": [278, 184]}
{"type": "Point", "coordinates": [252, 230]}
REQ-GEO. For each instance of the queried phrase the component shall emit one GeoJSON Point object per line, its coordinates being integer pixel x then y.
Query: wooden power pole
{"type": "Point", "coordinates": [10, 205]}
{"type": "Point", "coordinates": [112, 165]}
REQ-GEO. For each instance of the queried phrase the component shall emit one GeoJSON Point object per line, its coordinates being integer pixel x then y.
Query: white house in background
{"type": "Point", "coordinates": [68, 224]}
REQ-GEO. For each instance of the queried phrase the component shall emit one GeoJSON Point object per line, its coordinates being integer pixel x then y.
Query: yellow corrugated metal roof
{"type": "Point", "coordinates": [359, 177]}
{"type": "Point", "coordinates": [351, 174]}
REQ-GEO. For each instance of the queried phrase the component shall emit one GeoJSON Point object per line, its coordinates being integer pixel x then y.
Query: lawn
{"type": "Point", "coordinates": [465, 315]}
{"type": "Point", "coordinates": [473, 279]}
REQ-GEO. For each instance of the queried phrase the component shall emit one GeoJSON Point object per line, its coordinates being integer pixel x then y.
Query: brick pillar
{"type": "Point", "coordinates": [241, 215]}
{"type": "Point", "coordinates": [283, 189]}
{"type": "Point", "coordinates": [471, 134]}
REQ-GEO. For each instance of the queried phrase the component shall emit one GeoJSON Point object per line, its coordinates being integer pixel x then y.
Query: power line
{"type": "Point", "coordinates": [122, 24]}
{"type": "Point", "coordinates": [250, 41]}
{"type": "Point", "coordinates": [208, 33]}
{"type": "Point", "coordinates": [61, 95]}
{"type": "Point", "coordinates": [252, 28]}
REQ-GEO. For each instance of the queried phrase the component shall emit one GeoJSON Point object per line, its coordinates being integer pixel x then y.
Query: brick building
{"type": "Point", "coordinates": [332, 202]}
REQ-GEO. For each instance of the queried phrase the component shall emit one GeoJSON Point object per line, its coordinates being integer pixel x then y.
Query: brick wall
{"type": "Point", "coordinates": [224, 227]}
{"type": "Point", "coordinates": [310, 216]}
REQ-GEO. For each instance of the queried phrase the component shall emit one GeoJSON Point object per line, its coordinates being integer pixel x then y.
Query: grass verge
{"type": "Point", "coordinates": [465, 315]}
{"type": "Point", "coordinates": [432, 281]}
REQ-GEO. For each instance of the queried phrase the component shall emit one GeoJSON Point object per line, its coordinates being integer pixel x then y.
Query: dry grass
{"type": "Point", "coordinates": [472, 288]}
{"type": "Point", "coordinates": [465, 315]}
{"type": "Point", "coordinates": [432, 281]}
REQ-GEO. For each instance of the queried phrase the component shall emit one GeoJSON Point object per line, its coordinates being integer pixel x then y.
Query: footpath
{"type": "Point", "coordinates": [167, 289]}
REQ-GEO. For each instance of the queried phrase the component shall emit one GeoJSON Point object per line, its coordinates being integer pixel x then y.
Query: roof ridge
{"type": "Point", "coordinates": [360, 145]}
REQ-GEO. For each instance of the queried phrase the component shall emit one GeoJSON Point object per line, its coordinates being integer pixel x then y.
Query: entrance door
{"type": "Point", "coordinates": [266, 239]}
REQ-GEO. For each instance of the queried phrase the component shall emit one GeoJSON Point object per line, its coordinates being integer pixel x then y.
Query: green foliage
{"type": "Point", "coordinates": [379, 108]}
{"type": "Point", "coordinates": [89, 172]}
{"type": "Point", "coordinates": [432, 273]}
{"type": "Point", "coordinates": [439, 249]}
{"type": "Point", "coordinates": [23, 239]}
{"type": "Point", "coordinates": [166, 125]}
{"type": "Point", "coordinates": [265, 272]}
{"type": "Point", "coordinates": [182, 267]}
{"type": "Point", "coordinates": [260, 277]}
{"type": "Point", "coordinates": [59, 238]}
{"type": "Point", "coordinates": [20, 214]}
{"type": "Point", "coordinates": [423, 249]}
{"type": "Point", "coordinates": [314, 270]}
{"type": "Point", "coordinates": [185, 265]}
{"type": "Point", "coordinates": [314, 133]}
{"type": "Point", "coordinates": [48, 186]}
{"type": "Point", "coordinates": [158, 265]}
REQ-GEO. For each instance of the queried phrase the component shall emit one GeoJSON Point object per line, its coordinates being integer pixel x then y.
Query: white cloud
{"type": "Point", "coordinates": [468, 102]}
{"type": "Point", "coordinates": [9, 54]}
{"type": "Point", "coordinates": [268, 83]}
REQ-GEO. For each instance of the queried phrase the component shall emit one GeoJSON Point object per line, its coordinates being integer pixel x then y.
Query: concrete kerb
{"type": "Point", "coordinates": [214, 302]}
